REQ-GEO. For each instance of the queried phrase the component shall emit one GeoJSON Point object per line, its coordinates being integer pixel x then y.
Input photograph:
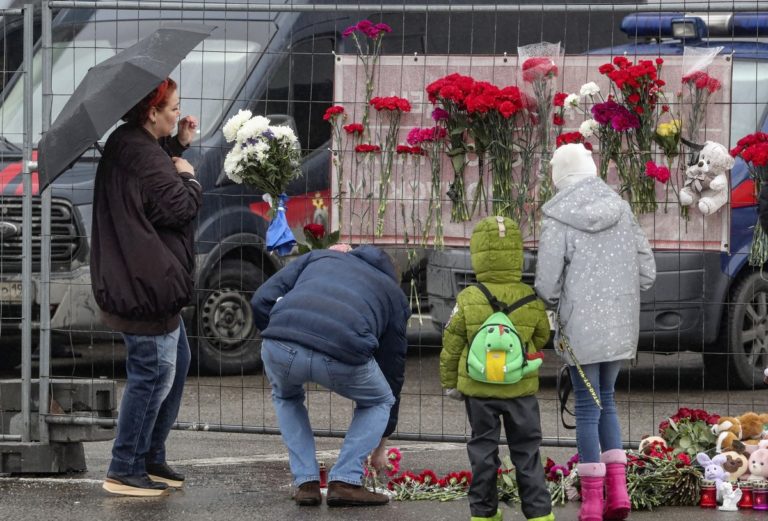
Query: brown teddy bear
{"type": "Point", "coordinates": [748, 428]}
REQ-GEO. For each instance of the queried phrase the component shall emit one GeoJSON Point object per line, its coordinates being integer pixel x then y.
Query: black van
{"type": "Point", "coordinates": [279, 64]}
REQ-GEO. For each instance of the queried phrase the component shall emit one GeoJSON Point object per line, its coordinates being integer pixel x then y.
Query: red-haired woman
{"type": "Point", "coordinates": [142, 259]}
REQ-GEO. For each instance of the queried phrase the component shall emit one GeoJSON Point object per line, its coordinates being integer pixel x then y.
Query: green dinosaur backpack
{"type": "Point", "coordinates": [497, 354]}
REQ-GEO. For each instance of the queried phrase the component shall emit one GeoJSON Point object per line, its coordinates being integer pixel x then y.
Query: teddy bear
{"type": "Point", "coordinates": [748, 428]}
{"type": "Point", "coordinates": [706, 180]}
{"type": "Point", "coordinates": [758, 462]}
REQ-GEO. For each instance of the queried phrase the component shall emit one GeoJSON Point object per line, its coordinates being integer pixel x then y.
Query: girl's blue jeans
{"type": "Point", "coordinates": [596, 431]}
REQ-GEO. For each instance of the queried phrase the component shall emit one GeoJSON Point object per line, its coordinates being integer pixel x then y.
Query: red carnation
{"type": "Point", "coordinates": [332, 112]}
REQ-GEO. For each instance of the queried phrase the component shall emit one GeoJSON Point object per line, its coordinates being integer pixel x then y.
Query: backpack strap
{"type": "Point", "coordinates": [497, 305]}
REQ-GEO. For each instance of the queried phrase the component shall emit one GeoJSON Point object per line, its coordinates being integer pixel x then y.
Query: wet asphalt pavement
{"type": "Point", "coordinates": [234, 477]}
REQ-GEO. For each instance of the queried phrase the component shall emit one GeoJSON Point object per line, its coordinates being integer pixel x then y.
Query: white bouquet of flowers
{"type": "Point", "coordinates": [264, 156]}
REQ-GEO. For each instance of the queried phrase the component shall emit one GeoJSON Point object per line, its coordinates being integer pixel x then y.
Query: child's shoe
{"type": "Point", "coordinates": [548, 517]}
{"type": "Point", "coordinates": [617, 504]}
{"type": "Point", "coordinates": [496, 517]}
{"type": "Point", "coordinates": [592, 478]}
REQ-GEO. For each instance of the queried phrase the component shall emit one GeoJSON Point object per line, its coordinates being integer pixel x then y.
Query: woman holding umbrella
{"type": "Point", "coordinates": [142, 260]}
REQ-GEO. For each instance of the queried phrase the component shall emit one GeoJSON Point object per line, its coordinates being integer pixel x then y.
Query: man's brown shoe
{"type": "Point", "coordinates": [342, 494]}
{"type": "Point", "coordinates": [308, 494]}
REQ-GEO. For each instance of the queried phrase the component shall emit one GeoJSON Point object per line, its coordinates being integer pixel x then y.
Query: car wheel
{"type": "Point", "coordinates": [228, 342]}
{"type": "Point", "coordinates": [737, 360]}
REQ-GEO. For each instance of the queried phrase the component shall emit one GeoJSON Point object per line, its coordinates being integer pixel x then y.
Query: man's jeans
{"type": "Point", "coordinates": [596, 430]}
{"type": "Point", "coordinates": [289, 366]}
{"type": "Point", "coordinates": [156, 370]}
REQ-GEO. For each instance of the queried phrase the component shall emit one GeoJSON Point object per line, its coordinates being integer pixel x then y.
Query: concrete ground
{"type": "Point", "coordinates": [236, 477]}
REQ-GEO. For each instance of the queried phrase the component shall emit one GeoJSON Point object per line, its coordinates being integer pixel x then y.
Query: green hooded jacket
{"type": "Point", "coordinates": [497, 262]}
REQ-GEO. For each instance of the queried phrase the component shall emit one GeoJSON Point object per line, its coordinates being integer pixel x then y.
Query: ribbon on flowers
{"type": "Point", "coordinates": [280, 239]}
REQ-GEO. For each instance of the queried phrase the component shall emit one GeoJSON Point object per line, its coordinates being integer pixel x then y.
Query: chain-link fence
{"type": "Point", "coordinates": [292, 62]}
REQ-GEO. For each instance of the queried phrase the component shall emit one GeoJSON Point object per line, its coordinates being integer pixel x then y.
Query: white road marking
{"type": "Point", "coordinates": [224, 461]}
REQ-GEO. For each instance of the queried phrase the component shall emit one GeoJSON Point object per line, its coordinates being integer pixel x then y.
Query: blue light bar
{"type": "Point", "coordinates": [658, 25]}
{"type": "Point", "coordinates": [750, 24]}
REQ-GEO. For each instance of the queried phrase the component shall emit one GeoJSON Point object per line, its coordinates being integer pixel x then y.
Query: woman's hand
{"type": "Point", "coordinates": [183, 166]}
{"type": "Point", "coordinates": [187, 130]}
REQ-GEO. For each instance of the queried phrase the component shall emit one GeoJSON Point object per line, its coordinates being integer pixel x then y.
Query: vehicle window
{"type": "Point", "coordinates": [749, 97]}
{"type": "Point", "coordinates": [302, 87]}
{"type": "Point", "coordinates": [227, 55]}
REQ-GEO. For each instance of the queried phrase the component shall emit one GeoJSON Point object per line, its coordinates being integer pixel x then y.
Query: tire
{"type": "Point", "coordinates": [741, 353]}
{"type": "Point", "coordinates": [228, 342]}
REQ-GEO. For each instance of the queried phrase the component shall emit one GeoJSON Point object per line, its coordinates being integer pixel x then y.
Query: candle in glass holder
{"type": "Point", "coordinates": [759, 497]}
{"type": "Point", "coordinates": [708, 495]}
{"type": "Point", "coordinates": [746, 494]}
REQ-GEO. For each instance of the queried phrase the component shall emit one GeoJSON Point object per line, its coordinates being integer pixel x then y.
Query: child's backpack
{"type": "Point", "coordinates": [497, 354]}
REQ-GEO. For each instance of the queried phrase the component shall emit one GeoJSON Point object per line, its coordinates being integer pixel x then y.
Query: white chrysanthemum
{"type": "Point", "coordinates": [588, 128]}
{"type": "Point", "coordinates": [233, 125]}
{"type": "Point", "coordinates": [589, 89]}
{"type": "Point", "coordinates": [256, 151]}
{"type": "Point", "coordinates": [252, 128]}
{"type": "Point", "coordinates": [282, 132]}
{"type": "Point", "coordinates": [232, 164]}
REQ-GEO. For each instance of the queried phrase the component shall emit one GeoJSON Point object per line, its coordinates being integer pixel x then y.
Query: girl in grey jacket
{"type": "Point", "coordinates": [593, 261]}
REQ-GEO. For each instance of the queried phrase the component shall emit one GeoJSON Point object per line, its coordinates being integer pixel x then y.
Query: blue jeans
{"type": "Point", "coordinates": [156, 370]}
{"type": "Point", "coordinates": [289, 366]}
{"type": "Point", "coordinates": [596, 430]}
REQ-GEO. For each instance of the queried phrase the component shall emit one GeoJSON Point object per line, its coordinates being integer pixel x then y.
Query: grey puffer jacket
{"type": "Point", "coordinates": [593, 261]}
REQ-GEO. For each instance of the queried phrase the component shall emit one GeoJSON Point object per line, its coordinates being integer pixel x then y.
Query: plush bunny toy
{"type": "Point", "coordinates": [706, 181]}
{"type": "Point", "coordinates": [713, 468]}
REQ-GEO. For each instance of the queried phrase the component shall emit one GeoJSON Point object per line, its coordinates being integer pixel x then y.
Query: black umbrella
{"type": "Point", "coordinates": [109, 90]}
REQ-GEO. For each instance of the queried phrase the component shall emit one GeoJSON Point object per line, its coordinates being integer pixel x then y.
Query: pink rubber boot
{"type": "Point", "coordinates": [592, 477]}
{"type": "Point", "coordinates": [617, 505]}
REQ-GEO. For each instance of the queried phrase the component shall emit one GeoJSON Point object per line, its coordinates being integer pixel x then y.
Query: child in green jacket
{"type": "Point", "coordinates": [496, 248]}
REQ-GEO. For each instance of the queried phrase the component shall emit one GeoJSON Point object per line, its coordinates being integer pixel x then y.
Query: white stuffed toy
{"type": "Point", "coordinates": [706, 181]}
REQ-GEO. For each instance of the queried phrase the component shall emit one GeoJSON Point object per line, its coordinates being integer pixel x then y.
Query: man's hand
{"type": "Point", "coordinates": [378, 458]}
{"type": "Point", "coordinates": [187, 130]}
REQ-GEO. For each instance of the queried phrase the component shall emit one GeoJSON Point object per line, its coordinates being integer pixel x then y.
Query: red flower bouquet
{"type": "Point", "coordinates": [753, 150]}
{"type": "Point", "coordinates": [689, 431]}
{"type": "Point", "coordinates": [699, 85]}
{"type": "Point", "coordinates": [539, 70]}
{"type": "Point", "coordinates": [448, 94]}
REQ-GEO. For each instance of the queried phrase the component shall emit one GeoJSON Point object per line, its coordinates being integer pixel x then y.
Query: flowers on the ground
{"type": "Point", "coordinates": [263, 156]}
{"type": "Point", "coordinates": [753, 150]}
{"type": "Point", "coordinates": [689, 431]}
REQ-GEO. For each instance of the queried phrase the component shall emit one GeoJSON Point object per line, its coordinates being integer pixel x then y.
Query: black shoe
{"type": "Point", "coordinates": [137, 486]}
{"type": "Point", "coordinates": [162, 473]}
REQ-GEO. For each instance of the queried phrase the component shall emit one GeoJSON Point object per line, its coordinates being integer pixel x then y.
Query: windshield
{"type": "Point", "coordinates": [227, 55]}
{"type": "Point", "coordinates": [749, 98]}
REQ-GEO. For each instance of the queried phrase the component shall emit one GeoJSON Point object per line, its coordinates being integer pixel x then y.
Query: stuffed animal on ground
{"type": "Point", "coordinates": [650, 441]}
{"type": "Point", "coordinates": [713, 468]}
{"type": "Point", "coordinates": [748, 428]}
{"type": "Point", "coordinates": [758, 462]}
{"type": "Point", "coordinates": [735, 464]}
{"type": "Point", "coordinates": [706, 180]}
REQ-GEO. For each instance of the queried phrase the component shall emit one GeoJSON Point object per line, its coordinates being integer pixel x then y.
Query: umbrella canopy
{"type": "Point", "coordinates": [109, 90]}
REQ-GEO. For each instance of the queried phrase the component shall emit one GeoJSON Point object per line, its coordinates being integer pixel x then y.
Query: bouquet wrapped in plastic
{"type": "Point", "coordinates": [265, 157]}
